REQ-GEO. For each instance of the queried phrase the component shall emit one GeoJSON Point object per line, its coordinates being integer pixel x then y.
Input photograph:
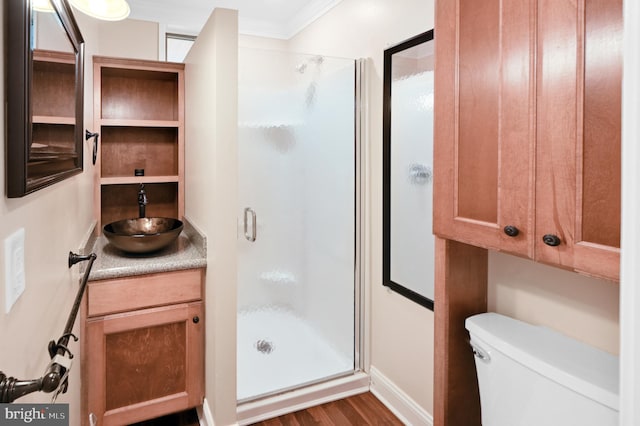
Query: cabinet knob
{"type": "Point", "coordinates": [511, 230]}
{"type": "Point", "coordinates": [551, 240]}
{"type": "Point", "coordinates": [196, 319]}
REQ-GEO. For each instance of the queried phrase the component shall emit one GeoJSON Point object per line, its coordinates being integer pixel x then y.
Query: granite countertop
{"type": "Point", "coordinates": [187, 252]}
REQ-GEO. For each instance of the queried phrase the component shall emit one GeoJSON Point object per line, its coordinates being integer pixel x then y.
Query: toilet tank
{"type": "Point", "coordinates": [531, 375]}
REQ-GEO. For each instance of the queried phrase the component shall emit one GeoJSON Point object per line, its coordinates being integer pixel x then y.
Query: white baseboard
{"type": "Point", "coordinates": [400, 404]}
{"type": "Point", "coordinates": [252, 412]}
{"type": "Point", "coordinates": [205, 417]}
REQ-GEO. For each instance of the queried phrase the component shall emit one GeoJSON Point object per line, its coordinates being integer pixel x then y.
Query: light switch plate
{"type": "Point", "coordinates": [14, 268]}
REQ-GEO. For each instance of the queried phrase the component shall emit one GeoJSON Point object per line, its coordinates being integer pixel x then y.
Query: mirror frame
{"type": "Point", "coordinates": [19, 108]}
{"type": "Point", "coordinates": [386, 171]}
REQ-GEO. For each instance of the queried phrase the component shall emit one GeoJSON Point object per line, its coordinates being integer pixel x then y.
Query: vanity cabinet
{"type": "Point", "coordinates": [143, 347]}
{"type": "Point", "coordinates": [527, 134]}
{"type": "Point", "coordinates": [139, 113]}
{"type": "Point", "coordinates": [526, 158]}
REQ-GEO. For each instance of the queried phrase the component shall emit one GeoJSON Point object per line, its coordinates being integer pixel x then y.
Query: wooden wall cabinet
{"type": "Point", "coordinates": [143, 350]}
{"type": "Point", "coordinates": [528, 129]}
{"type": "Point", "coordinates": [526, 158]}
{"type": "Point", "coordinates": [139, 113]}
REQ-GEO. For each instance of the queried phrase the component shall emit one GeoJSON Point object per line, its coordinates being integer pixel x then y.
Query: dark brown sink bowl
{"type": "Point", "coordinates": [143, 235]}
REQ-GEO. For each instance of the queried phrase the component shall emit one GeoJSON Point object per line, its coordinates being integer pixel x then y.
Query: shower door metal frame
{"type": "Point", "coordinates": [361, 332]}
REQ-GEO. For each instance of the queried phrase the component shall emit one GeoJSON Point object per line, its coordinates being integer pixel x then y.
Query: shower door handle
{"type": "Point", "coordinates": [249, 236]}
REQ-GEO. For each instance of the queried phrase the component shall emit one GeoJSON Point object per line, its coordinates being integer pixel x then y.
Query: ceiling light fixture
{"type": "Point", "coordinates": [107, 10]}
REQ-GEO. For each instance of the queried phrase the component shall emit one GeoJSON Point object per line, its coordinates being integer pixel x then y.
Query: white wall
{"type": "Point", "coordinates": [582, 307]}
{"type": "Point", "coordinates": [212, 195]}
{"type": "Point", "coordinates": [129, 38]}
{"type": "Point", "coordinates": [630, 268]}
{"type": "Point", "coordinates": [262, 42]}
{"type": "Point", "coordinates": [56, 220]}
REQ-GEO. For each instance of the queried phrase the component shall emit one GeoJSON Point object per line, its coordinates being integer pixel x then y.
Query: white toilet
{"type": "Point", "coordinates": [533, 376]}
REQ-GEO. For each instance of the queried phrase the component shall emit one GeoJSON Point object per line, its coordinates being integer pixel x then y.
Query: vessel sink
{"type": "Point", "coordinates": [143, 235]}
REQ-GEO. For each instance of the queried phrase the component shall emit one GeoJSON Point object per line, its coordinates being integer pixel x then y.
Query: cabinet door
{"type": "Point", "coordinates": [484, 131]}
{"type": "Point", "coordinates": [578, 144]}
{"type": "Point", "coordinates": [145, 364]}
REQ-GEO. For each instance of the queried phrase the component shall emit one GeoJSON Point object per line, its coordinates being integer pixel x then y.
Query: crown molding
{"type": "Point", "coordinates": [314, 10]}
{"type": "Point", "coordinates": [191, 20]}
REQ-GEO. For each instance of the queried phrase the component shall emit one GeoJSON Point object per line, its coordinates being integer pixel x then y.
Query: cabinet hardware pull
{"type": "Point", "coordinates": [511, 230]}
{"type": "Point", "coordinates": [551, 240]}
{"type": "Point", "coordinates": [196, 319]}
{"type": "Point", "coordinates": [250, 236]}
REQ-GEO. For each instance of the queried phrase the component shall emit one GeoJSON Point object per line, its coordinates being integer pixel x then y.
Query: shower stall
{"type": "Point", "coordinates": [297, 292]}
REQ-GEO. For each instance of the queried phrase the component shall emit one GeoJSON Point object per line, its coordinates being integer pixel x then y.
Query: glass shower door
{"type": "Point", "coordinates": [296, 278]}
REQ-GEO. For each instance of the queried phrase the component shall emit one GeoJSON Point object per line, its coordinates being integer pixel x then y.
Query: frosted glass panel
{"type": "Point", "coordinates": [412, 241]}
{"type": "Point", "coordinates": [296, 163]}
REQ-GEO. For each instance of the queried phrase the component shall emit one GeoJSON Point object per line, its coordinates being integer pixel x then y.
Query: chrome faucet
{"type": "Point", "coordinates": [142, 201]}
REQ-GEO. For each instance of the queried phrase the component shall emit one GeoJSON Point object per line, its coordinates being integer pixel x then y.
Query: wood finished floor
{"type": "Point", "coordinates": [186, 418]}
{"type": "Point", "coordinates": [361, 410]}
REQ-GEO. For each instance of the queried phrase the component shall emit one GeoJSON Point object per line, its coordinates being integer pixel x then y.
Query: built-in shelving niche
{"type": "Point", "coordinates": [120, 201]}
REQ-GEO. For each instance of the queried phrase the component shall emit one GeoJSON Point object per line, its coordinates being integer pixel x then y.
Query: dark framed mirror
{"type": "Point", "coordinates": [408, 241]}
{"type": "Point", "coordinates": [45, 66]}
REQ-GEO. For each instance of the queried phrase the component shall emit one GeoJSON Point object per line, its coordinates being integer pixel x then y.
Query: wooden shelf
{"type": "Point", "coordinates": [118, 122]}
{"type": "Point", "coordinates": [125, 149]}
{"type": "Point", "coordinates": [51, 56]}
{"type": "Point", "coordinates": [53, 135]}
{"type": "Point", "coordinates": [139, 113]}
{"type": "Point", "coordinates": [136, 94]}
{"type": "Point", "coordinates": [135, 180]}
{"type": "Point", "coordinates": [52, 119]}
{"type": "Point", "coordinates": [54, 84]}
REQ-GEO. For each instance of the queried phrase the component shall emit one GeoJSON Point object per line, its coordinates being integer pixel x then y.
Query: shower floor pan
{"type": "Point", "coordinates": [278, 351]}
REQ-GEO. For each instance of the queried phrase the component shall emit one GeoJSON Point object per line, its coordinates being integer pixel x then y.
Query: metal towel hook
{"type": "Point", "coordinates": [88, 135]}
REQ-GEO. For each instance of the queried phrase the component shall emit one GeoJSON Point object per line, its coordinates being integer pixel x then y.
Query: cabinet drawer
{"type": "Point", "coordinates": [144, 291]}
